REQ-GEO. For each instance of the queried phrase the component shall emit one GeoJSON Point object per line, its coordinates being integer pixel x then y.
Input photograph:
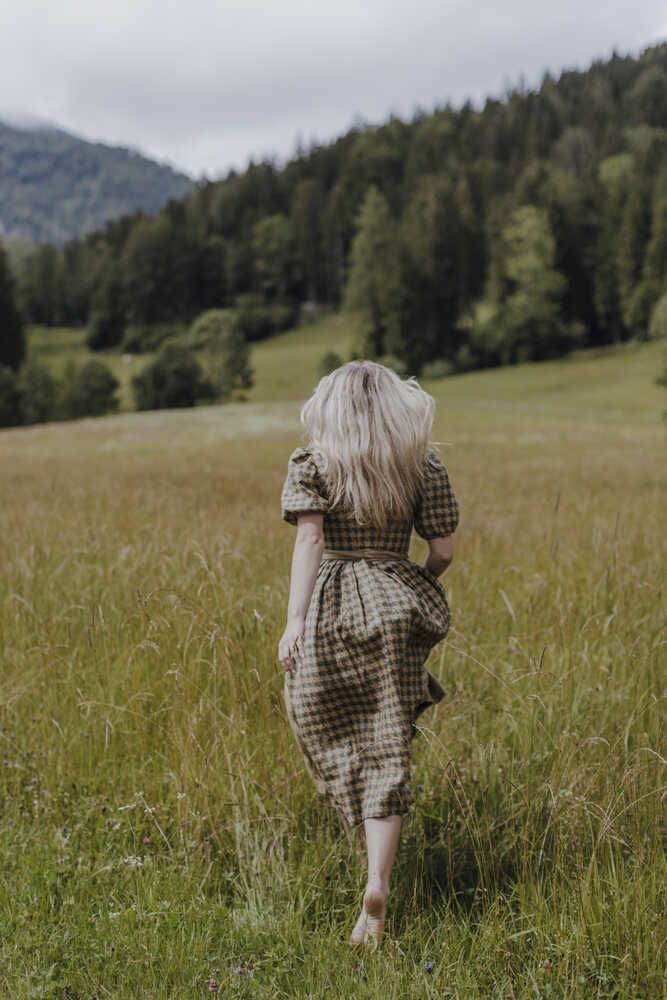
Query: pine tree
{"type": "Point", "coordinates": [439, 248]}
{"type": "Point", "coordinates": [633, 236]}
{"type": "Point", "coordinates": [12, 335]}
{"type": "Point", "coordinates": [274, 257]}
{"type": "Point", "coordinates": [374, 280]}
{"type": "Point", "coordinates": [107, 318]}
{"type": "Point", "coordinates": [306, 211]}
{"type": "Point", "coordinates": [654, 271]}
{"type": "Point", "coordinates": [615, 174]}
{"type": "Point", "coordinates": [531, 314]}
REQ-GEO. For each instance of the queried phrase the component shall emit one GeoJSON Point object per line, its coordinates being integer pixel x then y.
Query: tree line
{"type": "Point", "coordinates": [462, 238]}
{"type": "Point", "coordinates": [210, 362]}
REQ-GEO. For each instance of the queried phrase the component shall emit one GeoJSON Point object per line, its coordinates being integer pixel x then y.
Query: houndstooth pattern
{"type": "Point", "coordinates": [354, 700]}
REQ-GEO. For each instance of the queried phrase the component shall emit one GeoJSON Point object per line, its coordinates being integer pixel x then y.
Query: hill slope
{"type": "Point", "coordinates": [55, 186]}
{"type": "Point", "coordinates": [607, 385]}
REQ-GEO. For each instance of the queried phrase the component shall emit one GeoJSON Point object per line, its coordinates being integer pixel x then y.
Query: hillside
{"type": "Point", "coordinates": [608, 384]}
{"type": "Point", "coordinates": [55, 186]}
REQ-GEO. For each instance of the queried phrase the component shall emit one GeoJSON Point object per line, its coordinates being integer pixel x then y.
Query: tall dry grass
{"type": "Point", "coordinates": [157, 822]}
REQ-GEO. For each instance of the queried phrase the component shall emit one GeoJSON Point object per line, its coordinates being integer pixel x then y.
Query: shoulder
{"type": "Point", "coordinates": [300, 455]}
{"type": "Point", "coordinates": [438, 511]}
{"type": "Point", "coordinates": [306, 466]}
{"type": "Point", "coordinates": [307, 458]}
{"type": "Point", "coordinates": [432, 461]}
{"type": "Point", "coordinates": [303, 489]}
{"type": "Point", "coordinates": [435, 475]}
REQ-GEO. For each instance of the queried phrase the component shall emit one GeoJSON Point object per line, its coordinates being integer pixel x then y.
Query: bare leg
{"type": "Point", "coordinates": [382, 836]}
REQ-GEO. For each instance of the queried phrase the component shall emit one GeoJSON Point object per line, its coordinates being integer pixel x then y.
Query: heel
{"type": "Point", "coordinates": [375, 905]}
{"type": "Point", "coordinates": [369, 927]}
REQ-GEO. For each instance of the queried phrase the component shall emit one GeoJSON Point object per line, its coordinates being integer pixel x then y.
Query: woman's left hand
{"type": "Point", "coordinates": [290, 647]}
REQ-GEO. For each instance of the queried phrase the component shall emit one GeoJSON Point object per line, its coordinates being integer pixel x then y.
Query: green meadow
{"type": "Point", "coordinates": [284, 366]}
{"type": "Point", "coordinates": [159, 835]}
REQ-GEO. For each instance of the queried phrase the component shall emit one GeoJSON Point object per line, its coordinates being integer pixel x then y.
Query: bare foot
{"type": "Point", "coordinates": [370, 924]}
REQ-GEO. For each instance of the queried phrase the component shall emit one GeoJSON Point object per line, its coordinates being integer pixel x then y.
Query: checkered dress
{"type": "Point", "coordinates": [353, 701]}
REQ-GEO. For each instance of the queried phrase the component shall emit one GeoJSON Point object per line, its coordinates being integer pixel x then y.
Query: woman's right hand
{"type": "Point", "coordinates": [290, 647]}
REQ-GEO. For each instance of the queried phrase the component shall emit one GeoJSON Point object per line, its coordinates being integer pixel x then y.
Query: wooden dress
{"type": "Point", "coordinates": [353, 700]}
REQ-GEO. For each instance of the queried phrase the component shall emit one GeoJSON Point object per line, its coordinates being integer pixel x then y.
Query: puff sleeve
{"type": "Point", "coordinates": [303, 489]}
{"type": "Point", "coordinates": [437, 513]}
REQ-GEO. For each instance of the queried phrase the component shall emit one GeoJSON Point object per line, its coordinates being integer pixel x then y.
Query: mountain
{"type": "Point", "coordinates": [55, 186]}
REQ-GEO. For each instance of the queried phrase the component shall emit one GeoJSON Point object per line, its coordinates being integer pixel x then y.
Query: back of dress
{"type": "Point", "coordinates": [436, 515]}
{"type": "Point", "coordinates": [371, 623]}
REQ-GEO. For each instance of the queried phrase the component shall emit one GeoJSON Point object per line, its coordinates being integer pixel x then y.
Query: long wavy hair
{"type": "Point", "coordinates": [371, 429]}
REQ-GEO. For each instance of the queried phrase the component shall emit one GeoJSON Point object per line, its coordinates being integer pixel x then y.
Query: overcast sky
{"type": "Point", "coordinates": [206, 84]}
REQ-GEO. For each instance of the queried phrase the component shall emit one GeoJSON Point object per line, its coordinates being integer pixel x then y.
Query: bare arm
{"type": "Point", "coordinates": [306, 556]}
{"type": "Point", "coordinates": [440, 554]}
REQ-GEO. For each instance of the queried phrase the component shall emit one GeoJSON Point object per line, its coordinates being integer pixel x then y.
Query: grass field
{"type": "Point", "coordinates": [283, 366]}
{"type": "Point", "coordinates": [159, 836]}
{"type": "Point", "coordinates": [60, 345]}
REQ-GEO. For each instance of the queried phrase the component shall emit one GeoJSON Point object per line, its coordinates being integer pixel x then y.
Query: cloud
{"type": "Point", "coordinates": [207, 84]}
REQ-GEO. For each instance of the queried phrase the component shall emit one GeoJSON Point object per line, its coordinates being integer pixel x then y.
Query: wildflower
{"type": "Point", "coordinates": [212, 984]}
{"type": "Point", "coordinates": [428, 966]}
{"type": "Point", "coordinates": [241, 969]}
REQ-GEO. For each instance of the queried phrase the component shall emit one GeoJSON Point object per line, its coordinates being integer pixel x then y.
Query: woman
{"type": "Point", "coordinates": [362, 617]}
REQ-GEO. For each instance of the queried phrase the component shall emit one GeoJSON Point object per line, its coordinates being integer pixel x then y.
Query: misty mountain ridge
{"type": "Point", "coordinates": [56, 186]}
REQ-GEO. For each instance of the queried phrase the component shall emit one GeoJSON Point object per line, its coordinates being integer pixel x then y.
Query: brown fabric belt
{"type": "Point", "coordinates": [363, 554]}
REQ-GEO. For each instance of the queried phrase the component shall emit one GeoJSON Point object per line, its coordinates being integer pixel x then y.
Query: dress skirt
{"type": "Point", "coordinates": [354, 699]}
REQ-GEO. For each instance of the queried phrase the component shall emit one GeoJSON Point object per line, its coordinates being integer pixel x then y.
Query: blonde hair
{"type": "Point", "coordinates": [371, 428]}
